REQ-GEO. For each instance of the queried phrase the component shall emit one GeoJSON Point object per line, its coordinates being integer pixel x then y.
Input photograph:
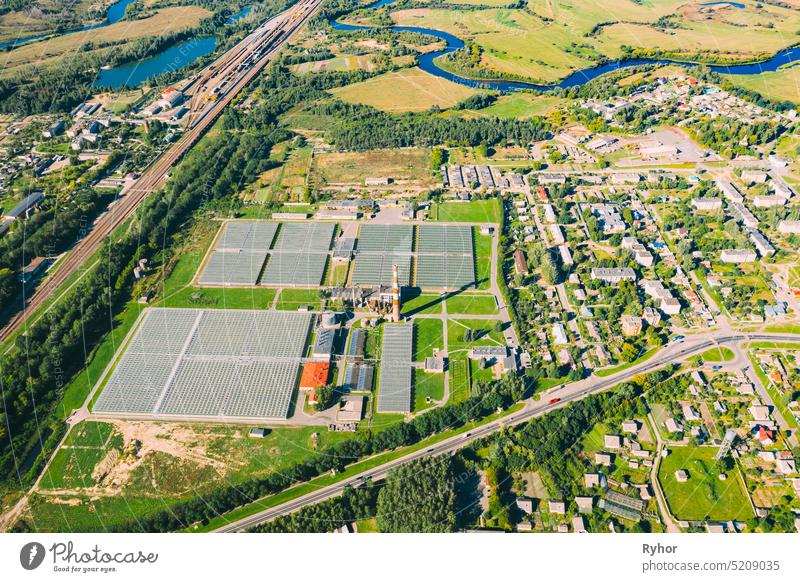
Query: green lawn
{"type": "Point", "coordinates": [221, 298]}
{"type": "Point", "coordinates": [456, 329]}
{"type": "Point", "coordinates": [703, 496]}
{"type": "Point", "coordinates": [472, 304]}
{"type": "Point", "coordinates": [474, 211]}
{"type": "Point", "coordinates": [89, 433]}
{"type": "Point", "coordinates": [428, 335]}
{"type": "Point", "coordinates": [414, 302]}
{"type": "Point", "coordinates": [720, 354]}
{"type": "Point", "coordinates": [292, 299]}
{"type": "Point", "coordinates": [427, 386]}
{"type": "Point", "coordinates": [72, 468]}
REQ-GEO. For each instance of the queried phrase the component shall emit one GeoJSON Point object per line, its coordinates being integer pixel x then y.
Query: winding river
{"type": "Point", "coordinates": [115, 13]}
{"type": "Point", "coordinates": [427, 61]}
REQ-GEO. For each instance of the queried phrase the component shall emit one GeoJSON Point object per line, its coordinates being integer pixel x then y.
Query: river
{"type": "Point", "coordinates": [115, 13]}
{"type": "Point", "coordinates": [427, 61]}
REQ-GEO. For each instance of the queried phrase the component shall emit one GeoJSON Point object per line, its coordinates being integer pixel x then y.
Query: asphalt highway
{"type": "Point", "coordinates": [564, 394]}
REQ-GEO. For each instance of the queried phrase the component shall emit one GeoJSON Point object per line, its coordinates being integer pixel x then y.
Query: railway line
{"type": "Point", "coordinates": [236, 68]}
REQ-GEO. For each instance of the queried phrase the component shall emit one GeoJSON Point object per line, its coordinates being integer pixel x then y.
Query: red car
{"type": "Point", "coordinates": [555, 400]}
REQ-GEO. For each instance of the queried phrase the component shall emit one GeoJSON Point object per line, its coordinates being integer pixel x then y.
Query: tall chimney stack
{"type": "Point", "coordinates": [395, 294]}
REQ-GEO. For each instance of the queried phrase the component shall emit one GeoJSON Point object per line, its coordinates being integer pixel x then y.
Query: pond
{"type": "Point", "coordinates": [174, 58]}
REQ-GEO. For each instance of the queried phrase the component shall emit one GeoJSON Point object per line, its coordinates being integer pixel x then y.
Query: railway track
{"type": "Point", "coordinates": [266, 41]}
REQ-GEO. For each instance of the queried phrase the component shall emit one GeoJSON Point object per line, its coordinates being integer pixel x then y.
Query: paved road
{"type": "Point", "coordinates": [565, 394]}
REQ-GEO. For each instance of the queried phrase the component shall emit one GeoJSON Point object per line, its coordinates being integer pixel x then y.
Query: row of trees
{"type": "Point", "coordinates": [54, 348]}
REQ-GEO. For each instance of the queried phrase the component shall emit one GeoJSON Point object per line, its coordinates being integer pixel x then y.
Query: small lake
{"type": "Point", "coordinates": [174, 58]}
{"type": "Point", "coordinates": [239, 15]}
{"type": "Point", "coordinates": [115, 13]}
{"type": "Point", "coordinates": [734, 4]}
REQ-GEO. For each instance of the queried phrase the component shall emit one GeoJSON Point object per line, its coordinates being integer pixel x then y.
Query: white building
{"type": "Point", "coordinates": [737, 256]}
{"type": "Point", "coordinates": [707, 204]}
{"type": "Point", "coordinates": [789, 227]}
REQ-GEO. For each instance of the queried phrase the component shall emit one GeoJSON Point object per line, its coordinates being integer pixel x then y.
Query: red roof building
{"type": "Point", "coordinates": [315, 375]}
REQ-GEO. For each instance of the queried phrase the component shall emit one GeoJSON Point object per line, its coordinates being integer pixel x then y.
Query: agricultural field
{"type": "Point", "coordinates": [782, 85]}
{"type": "Point", "coordinates": [51, 51]}
{"type": "Point", "coordinates": [408, 166]}
{"type": "Point", "coordinates": [405, 90]}
{"type": "Point", "coordinates": [704, 495]}
{"type": "Point", "coordinates": [552, 38]}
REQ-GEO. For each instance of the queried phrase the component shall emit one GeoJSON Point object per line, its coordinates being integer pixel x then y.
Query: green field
{"type": "Point", "coordinates": [221, 455]}
{"type": "Point", "coordinates": [475, 211]}
{"type": "Point", "coordinates": [420, 303]}
{"type": "Point", "coordinates": [720, 354]}
{"type": "Point", "coordinates": [703, 496]}
{"type": "Point", "coordinates": [292, 299]}
{"type": "Point", "coordinates": [472, 304]}
{"type": "Point", "coordinates": [427, 386]}
{"type": "Point", "coordinates": [405, 90]}
{"type": "Point", "coordinates": [460, 387]}
{"type": "Point", "coordinates": [221, 298]}
{"type": "Point", "coordinates": [545, 40]}
{"type": "Point", "coordinates": [781, 85]}
{"type": "Point", "coordinates": [428, 335]}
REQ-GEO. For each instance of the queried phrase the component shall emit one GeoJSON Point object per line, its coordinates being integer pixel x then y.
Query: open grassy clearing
{"type": "Point", "coordinates": [341, 63]}
{"type": "Point", "coordinates": [221, 298]}
{"type": "Point", "coordinates": [704, 495]}
{"type": "Point", "coordinates": [49, 52]}
{"type": "Point", "coordinates": [522, 106]}
{"type": "Point", "coordinates": [475, 211]}
{"type": "Point", "coordinates": [427, 387]}
{"type": "Point", "coordinates": [781, 85]}
{"type": "Point", "coordinates": [428, 336]}
{"type": "Point", "coordinates": [407, 165]}
{"type": "Point", "coordinates": [174, 461]}
{"type": "Point", "coordinates": [472, 304]}
{"type": "Point", "coordinates": [421, 303]}
{"type": "Point", "coordinates": [405, 90]}
{"type": "Point", "coordinates": [549, 39]}
{"type": "Point", "coordinates": [720, 354]}
{"type": "Point", "coordinates": [292, 299]}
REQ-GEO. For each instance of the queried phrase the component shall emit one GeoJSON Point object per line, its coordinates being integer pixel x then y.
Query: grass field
{"type": "Point", "coordinates": [406, 165]}
{"type": "Point", "coordinates": [421, 303]}
{"type": "Point", "coordinates": [460, 386]}
{"type": "Point", "coordinates": [49, 52]}
{"type": "Point", "coordinates": [703, 496]}
{"type": "Point", "coordinates": [221, 455]}
{"type": "Point", "coordinates": [405, 90]}
{"type": "Point", "coordinates": [472, 304]}
{"type": "Point", "coordinates": [427, 386]}
{"type": "Point", "coordinates": [221, 298]}
{"type": "Point", "coordinates": [549, 39]}
{"type": "Point", "coordinates": [781, 85]}
{"type": "Point", "coordinates": [342, 63]}
{"type": "Point", "coordinates": [428, 335]}
{"type": "Point", "coordinates": [720, 354]}
{"type": "Point", "coordinates": [522, 106]}
{"type": "Point", "coordinates": [292, 299]}
{"type": "Point", "coordinates": [475, 211]}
